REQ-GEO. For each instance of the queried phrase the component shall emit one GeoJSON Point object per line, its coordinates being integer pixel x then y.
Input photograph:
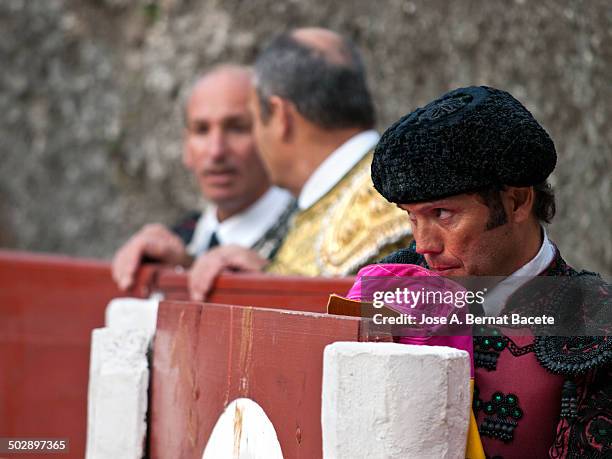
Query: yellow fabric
{"type": "Point", "coordinates": [473, 449]}
{"type": "Point", "coordinates": [349, 227]}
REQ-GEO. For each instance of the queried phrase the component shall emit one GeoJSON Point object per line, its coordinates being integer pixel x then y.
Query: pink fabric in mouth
{"type": "Point", "coordinates": [395, 271]}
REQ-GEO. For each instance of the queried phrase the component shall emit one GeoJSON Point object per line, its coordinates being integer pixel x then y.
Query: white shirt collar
{"type": "Point", "coordinates": [336, 166]}
{"type": "Point", "coordinates": [243, 229]}
{"type": "Point", "coordinates": [496, 299]}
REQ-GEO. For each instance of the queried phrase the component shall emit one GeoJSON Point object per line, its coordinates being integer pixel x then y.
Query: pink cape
{"type": "Point", "coordinates": [395, 271]}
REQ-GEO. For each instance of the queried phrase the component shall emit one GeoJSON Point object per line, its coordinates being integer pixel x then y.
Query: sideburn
{"type": "Point", "coordinates": [497, 213]}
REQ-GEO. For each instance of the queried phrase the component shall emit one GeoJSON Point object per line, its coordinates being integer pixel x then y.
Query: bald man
{"type": "Point", "coordinates": [314, 119]}
{"type": "Point", "coordinates": [219, 149]}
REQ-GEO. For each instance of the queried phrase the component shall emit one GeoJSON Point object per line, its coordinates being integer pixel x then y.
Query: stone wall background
{"type": "Point", "coordinates": [90, 94]}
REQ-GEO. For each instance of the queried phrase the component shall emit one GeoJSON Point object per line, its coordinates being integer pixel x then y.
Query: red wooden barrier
{"type": "Point", "coordinates": [206, 355]}
{"type": "Point", "coordinates": [48, 308]}
{"type": "Point", "coordinates": [49, 305]}
{"type": "Point", "coordinates": [299, 293]}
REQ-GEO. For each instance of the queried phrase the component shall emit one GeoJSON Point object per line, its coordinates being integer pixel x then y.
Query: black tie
{"type": "Point", "coordinates": [214, 242]}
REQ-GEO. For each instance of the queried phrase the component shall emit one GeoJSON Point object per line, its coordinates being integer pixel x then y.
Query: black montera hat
{"type": "Point", "coordinates": [467, 140]}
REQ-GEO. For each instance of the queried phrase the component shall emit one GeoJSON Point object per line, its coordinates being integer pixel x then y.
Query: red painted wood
{"type": "Point", "coordinates": [300, 293]}
{"type": "Point", "coordinates": [48, 307]}
{"type": "Point", "coordinates": [206, 355]}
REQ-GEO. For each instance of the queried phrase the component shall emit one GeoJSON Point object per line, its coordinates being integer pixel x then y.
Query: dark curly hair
{"type": "Point", "coordinates": [544, 206]}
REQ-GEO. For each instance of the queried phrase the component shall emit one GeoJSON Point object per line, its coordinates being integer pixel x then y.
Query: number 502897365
{"type": "Point", "coordinates": [40, 445]}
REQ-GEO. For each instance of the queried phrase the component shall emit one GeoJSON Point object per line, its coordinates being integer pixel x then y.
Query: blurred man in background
{"type": "Point", "coordinates": [219, 149]}
{"type": "Point", "coordinates": [314, 120]}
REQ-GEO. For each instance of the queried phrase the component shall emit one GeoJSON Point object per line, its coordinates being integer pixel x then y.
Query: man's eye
{"type": "Point", "coordinates": [239, 127]}
{"type": "Point", "coordinates": [442, 213]}
{"type": "Point", "coordinates": [200, 129]}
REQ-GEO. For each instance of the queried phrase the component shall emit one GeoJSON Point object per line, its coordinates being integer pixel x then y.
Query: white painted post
{"type": "Point", "coordinates": [117, 401]}
{"type": "Point", "coordinates": [119, 380]}
{"type": "Point", "coordinates": [387, 401]}
{"type": "Point", "coordinates": [132, 313]}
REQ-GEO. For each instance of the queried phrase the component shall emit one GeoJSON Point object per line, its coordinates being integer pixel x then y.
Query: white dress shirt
{"type": "Point", "coordinates": [243, 229]}
{"type": "Point", "coordinates": [497, 297]}
{"type": "Point", "coordinates": [336, 166]}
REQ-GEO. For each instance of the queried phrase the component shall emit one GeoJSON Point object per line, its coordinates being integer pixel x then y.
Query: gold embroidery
{"type": "Point", "coordinates": [347, 228]}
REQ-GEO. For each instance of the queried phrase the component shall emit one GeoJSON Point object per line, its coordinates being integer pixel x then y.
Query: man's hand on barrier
{"type": "Point", "coordinates": [154, 241]}
{"type": "Point", "coordinates": [212, 263]}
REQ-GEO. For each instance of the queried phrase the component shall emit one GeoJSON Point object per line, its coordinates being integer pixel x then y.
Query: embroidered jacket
{"type": "Point", "coordinates": [349, 227]}
{"type": "Point", "coordinates": [548, 396]}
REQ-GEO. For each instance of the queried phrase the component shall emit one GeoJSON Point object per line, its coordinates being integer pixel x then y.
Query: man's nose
{"type": "Point", "coordinates": [217, 144]}
{"type": "Point", "coordinates": [428, 241]}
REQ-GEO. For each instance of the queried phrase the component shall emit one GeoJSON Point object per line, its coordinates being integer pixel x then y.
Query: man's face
{"type": "Point", "coordinates": [268, 141]}
{"type": "Point", "coordinates": [219, 145]}
{"type": "Point", "coordinates": [453, 237]}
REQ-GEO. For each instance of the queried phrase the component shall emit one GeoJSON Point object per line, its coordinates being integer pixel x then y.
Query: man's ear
{"type": "Point", "coordinates": [282, 116]}
{"type": "Point", "coordinates": [520, 203]}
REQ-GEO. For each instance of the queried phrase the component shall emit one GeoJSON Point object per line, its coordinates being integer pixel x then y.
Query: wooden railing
{"type": "Point", "coordinates": [48, 307]}
{"type": "Point", "coordinates": [207, 355]}
{"type": "Point", "coordinates": [50, 304]}
{"type": "Point", "coordinates": [299, 293]}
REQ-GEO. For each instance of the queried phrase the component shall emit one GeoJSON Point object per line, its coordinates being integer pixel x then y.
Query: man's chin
{"type": "Point", "coordinates": [219, 195]}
